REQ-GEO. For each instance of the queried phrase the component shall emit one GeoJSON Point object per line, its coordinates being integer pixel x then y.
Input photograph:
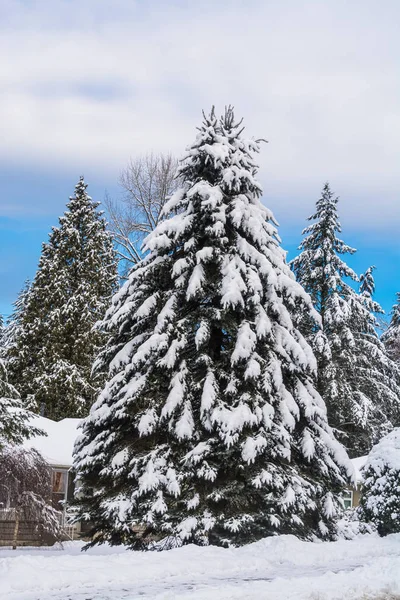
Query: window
{"type": "Point", "coordinates": [59, 488]}
{"type": "Point", "coordinates": [348, 499]}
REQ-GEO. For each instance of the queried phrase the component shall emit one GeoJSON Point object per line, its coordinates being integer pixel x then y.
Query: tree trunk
{"type": "Point", "coordinates": [16, 529]}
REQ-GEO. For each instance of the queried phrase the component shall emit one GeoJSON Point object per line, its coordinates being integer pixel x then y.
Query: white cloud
{"type": "Point", "coordinates": [84, 89]}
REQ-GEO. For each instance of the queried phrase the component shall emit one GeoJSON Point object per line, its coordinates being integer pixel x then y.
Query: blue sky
{"type": "Point", "coordinates": [84, 88]}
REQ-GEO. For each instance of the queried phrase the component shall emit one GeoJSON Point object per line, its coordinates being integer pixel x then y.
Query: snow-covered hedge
{"type": "Point", "coordinates": [380, 501]}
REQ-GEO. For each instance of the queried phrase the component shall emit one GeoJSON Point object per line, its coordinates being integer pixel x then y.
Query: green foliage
{"type": "Point", "coordinates": [14, 420]}
{"type": "Point", "coordinates": [391, 337]}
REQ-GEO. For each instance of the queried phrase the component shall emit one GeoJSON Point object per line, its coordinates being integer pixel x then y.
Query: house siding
{"type": "Point", "coordinates": [356, 497]}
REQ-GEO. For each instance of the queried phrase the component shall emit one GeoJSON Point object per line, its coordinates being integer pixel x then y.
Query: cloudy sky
{"type": "Point", "coordinates": [85, 85]}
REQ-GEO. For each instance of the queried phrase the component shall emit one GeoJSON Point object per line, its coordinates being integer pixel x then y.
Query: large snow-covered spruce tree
{"type": "Point", "coordinates": [356, 378]}
{"type": "Point", "coordinates": [209, 428]}
{"type": "Point", "coordinates": [52, 349]}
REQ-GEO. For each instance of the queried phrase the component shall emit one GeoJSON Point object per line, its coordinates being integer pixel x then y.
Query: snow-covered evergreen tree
{"type": "Point", "coordinates": [376, 378]}
{"type": "Point", "coordinates": [209, 427]}
{"type": "Point", "coordinates": [380, 499]}
{"type": "Point", "coordinates": [391, 337]}
{"type": "Point", "coordinates": [53, 346]}
{"type": "Point", "coordinates": [355, 377]}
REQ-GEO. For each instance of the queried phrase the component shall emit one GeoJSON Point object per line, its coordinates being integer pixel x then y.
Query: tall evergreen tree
{"type": "Point", "coordinates": [209, 427]}
{"type": "Point", "coordinates": [391, 337]}
{"type": "Point", "coordinates": [54, 343]}
{"type": "Point", "coordinates": [376, 376]}
{"type": "Point", "coordinates": [355, 377]}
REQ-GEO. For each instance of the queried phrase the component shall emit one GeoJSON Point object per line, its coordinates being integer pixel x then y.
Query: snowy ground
{"type": "Point", "coordinates": [281, 568]}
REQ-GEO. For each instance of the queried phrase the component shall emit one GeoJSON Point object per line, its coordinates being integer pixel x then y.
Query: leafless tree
{"type": "Point", "coordinates": [146, 183]}
{"type": "Point", "coordinates": [25, 492]}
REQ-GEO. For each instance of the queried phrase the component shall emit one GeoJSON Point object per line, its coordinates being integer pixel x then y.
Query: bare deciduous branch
{"type": "Point", "coordinates": [146, 183]}
{"type": "Point", "coordinates": [25, 491]}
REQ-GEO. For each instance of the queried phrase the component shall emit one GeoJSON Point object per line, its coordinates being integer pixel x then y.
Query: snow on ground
{"type": "Point", "coordinates": [281, 568]}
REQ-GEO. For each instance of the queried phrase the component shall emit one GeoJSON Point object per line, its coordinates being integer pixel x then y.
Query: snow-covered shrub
{"type": "Point", "coordinates": [380, 501]}
{"type": "Point", "coordinates": [350, 526]}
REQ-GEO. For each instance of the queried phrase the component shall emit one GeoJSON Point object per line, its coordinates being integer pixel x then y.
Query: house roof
{"type": "Point", "coordinates": [57, 446]}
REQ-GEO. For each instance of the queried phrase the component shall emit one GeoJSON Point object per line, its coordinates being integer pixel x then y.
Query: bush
{"type": "Point", "coordinates": [380, 500]}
